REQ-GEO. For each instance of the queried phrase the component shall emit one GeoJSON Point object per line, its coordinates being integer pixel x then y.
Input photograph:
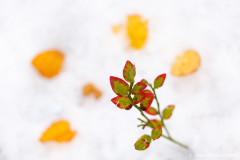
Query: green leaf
{"type": "Point", "coordinates": [151, 111]}
{"type": "Point", "coordinates": [144, 81]}
{"type": "Point", "coordinates": [147, 91]}
{"type": "Point", "coordinates": [146, 103]}
{"type": "Point", "coordinates": [138, 87]}
{"type": "Point", "coordinates": [156, 123]}
{"type": "Point", "coordinates": [138, 98]}
{"type": "Point", "coordinates": [122, 102]}
{"type": "Point", "coordinates": [129, 72]}
{"type": "Point", "coordinates": [156, 133]}
{"type": "Point", "coordinates": [147, 137]}
{"type": "Point", "coordinates": [129, 107]}
{"type": "Point", "coordinates": [167, 112]}
{"type": "Point", "coordinates": [119, 86]}
{"type": "Point", "coordinates": [158, 82]}
{"type": "Point", "coordinates": [143, 143]}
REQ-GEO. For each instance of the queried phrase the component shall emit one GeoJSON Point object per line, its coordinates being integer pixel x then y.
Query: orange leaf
{"type": "Point", "coordinates": [49, 63]}
{"type": "Point", "coordinates": [59, 132]}
{"type": "Point", "coordinates": [90, 89]}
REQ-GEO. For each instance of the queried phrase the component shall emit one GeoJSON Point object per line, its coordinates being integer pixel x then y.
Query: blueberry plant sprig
{"type": "Point", "coordinates": [141, 98]}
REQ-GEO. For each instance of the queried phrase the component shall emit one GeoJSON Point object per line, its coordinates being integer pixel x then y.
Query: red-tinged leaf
{"type": "Point", "coordinates": [129, 72]}
{"type": "Point", "coordinates": [147, 91]}
{"type": "Point", "coordinates": [119, 86]}
{"type": "Point", "coordinates": [143, 143]}
{"type": "Point", "coordinates": [158, 82]}
{"type": "Point", "coordinates": [146, 103]}
{"type": "Point", "coordinates": [156, 123]}
{"type": "Point", "coordinates": [167, 112]}
{"type": "Point", "coordinates": [138, 87]}
{"type": "Point", "coordinates": [146, 137]}
{"type": "Point", "coordinates": [138, 98]}
{"type": "Point", "coordinates": [129, 107]}
{"type": "Point", "coordinates": [115, 100]}
{"type": "Point", "coordinates": [156, 133]}
{"type": "Point", "coordinates": [144, 81]}
{"type": "Point", "coordinates": [151, 111]}
{"type": "Point", "coordinates": [122, 102]}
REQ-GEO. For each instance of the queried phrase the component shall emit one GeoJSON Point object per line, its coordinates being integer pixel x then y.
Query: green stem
{"type": "Point", "coordinates": [130, 91]}
{"type": "Point", "coordinates": [141, 125]}
{"type": "Point", "coordinates": [160, 112]}
{"type": "Point", "coordinates": [141, 120]}
{"type": "Point", "coordinates": [152, 125]}
{"type": "Point", "coordinates": [138, 108]}
{"type": "Point", "coordinates": [174, 141]}
{"type": "Point", "coordinates": [169, 136]}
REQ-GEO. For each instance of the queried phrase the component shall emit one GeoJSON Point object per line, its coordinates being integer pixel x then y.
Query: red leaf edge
{"type": "Point", "coordinates": [141, 90]}
{"type": "Point", "coordinates": [112, 78]}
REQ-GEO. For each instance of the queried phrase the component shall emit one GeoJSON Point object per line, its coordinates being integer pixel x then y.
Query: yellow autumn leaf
{"type": "Point", "coordinates": [186, 63]}
{"type": "Point", "coordinates": [117, 28]}
{"type": "Point", "coordinates": [137, 31]}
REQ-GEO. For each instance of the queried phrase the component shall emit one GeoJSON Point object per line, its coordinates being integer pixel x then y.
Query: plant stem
{"type": "Point", "coordinates": [152, 125]}
{"type": "Point", "coordinates": [130, 91]}
{"type": "Point", "coordinates": [174, 141]}
{"type": "Point", "coordinates": [169, 136]}
{"type": "Point", "coordinates": [160, 112]}
{"type": "Point", "coordinates": [141, 120]}
{"type": "Point", "coordinates": [138, 108]}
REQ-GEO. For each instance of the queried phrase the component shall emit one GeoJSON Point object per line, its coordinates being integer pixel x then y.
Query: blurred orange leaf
{"type": "Point", "coordinates": [59, 132]}
{"type": "Point", "coordinates": [48, 63]}
{"type": "Point", "coordinates": [89, 89]}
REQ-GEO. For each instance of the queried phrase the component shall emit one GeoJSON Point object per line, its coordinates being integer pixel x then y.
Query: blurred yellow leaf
{"type": "Point", "coordinates": [137, 31]}
{"type": "Point", "coordinates": [117, 28]}
{"type": "Point", "coordinates": [186, 64]}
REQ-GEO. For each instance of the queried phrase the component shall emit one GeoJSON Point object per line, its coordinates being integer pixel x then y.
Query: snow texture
{"type": "Point", "coordinates": [207, 112]}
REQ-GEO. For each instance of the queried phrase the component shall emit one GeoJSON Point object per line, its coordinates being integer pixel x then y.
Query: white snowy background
{"type": "Point", "coordinates": [207, 113]}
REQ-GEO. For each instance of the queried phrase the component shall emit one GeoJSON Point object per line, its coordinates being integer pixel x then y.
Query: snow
{"type": "Point", "coordinates": [207, 102]}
